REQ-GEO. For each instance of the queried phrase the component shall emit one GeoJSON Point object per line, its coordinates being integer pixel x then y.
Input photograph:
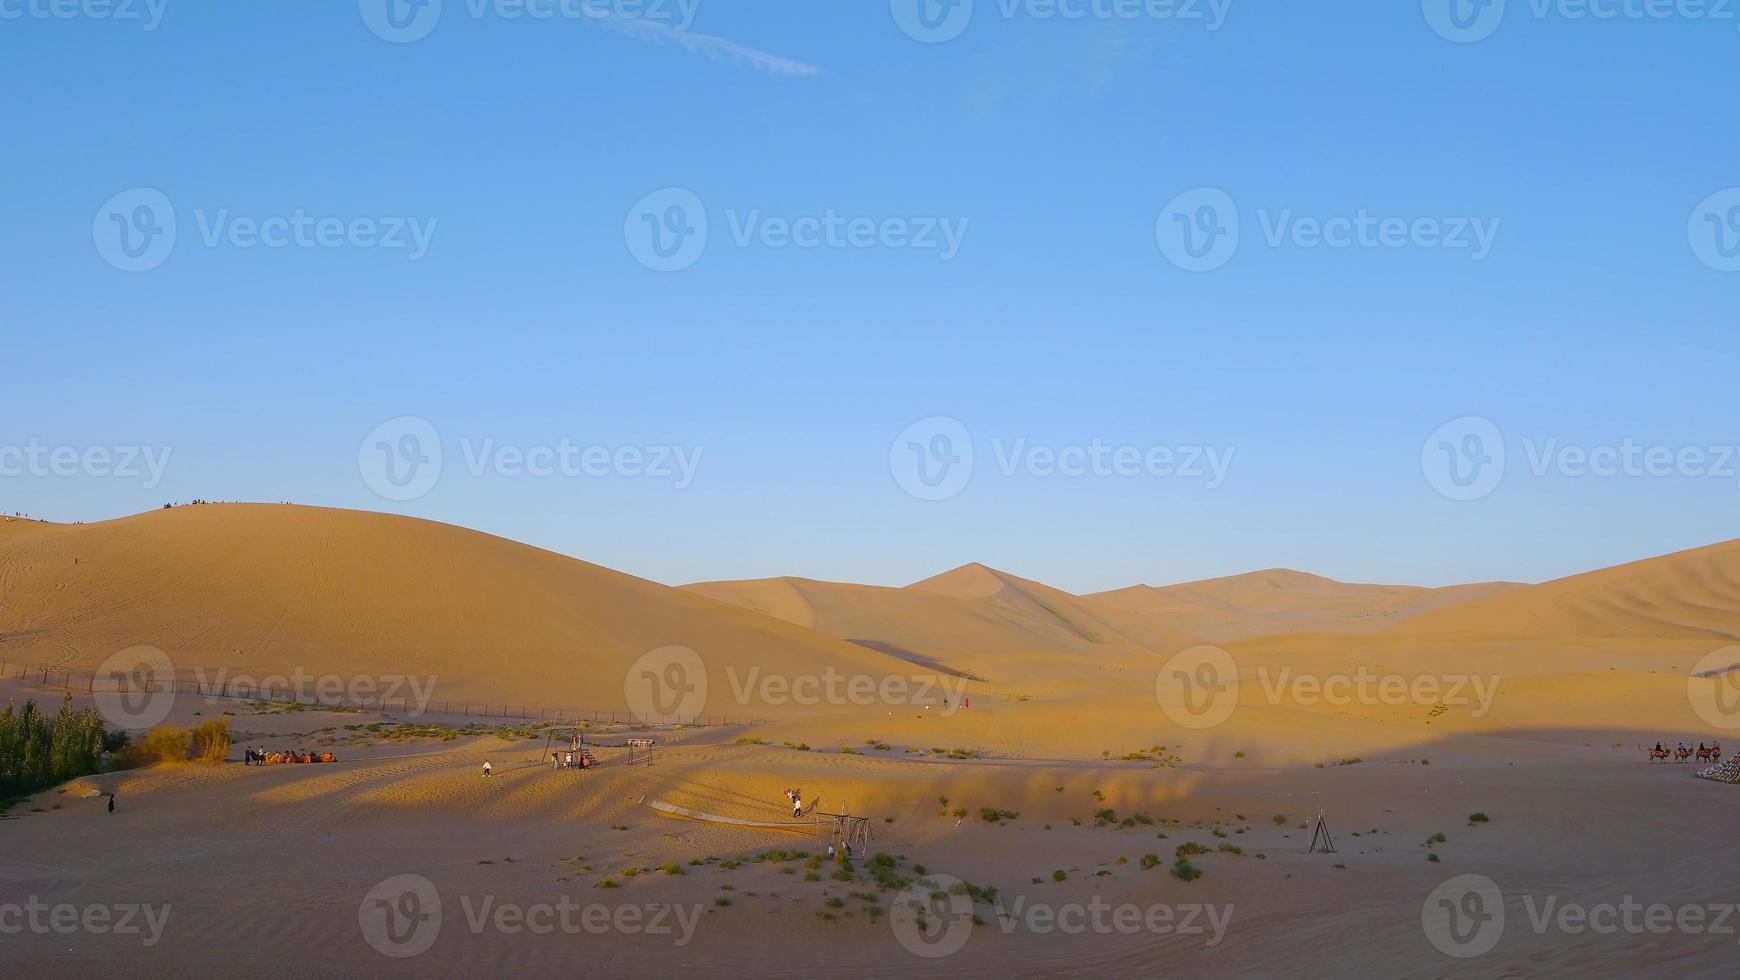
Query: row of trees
{"type": "Point", "coordinates": [38, 750]}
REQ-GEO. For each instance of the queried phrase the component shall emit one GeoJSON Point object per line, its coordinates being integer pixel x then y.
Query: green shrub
{"type": "Point", "coordinates": [37, 751]}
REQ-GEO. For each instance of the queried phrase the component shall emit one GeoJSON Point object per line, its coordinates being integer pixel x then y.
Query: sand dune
{"type": "Point", "coordinates": [23, 525]}
{"type": "Point", "coordinates": [1071, 718]}
{"type": "Point", "coordinates": [972, 617]}
{"type": "Point", "coordinates": [1284, 601]}
{"type": "Point", "coordinates": [1687, 595]}
{"type": "Point", "coordinates": [262, 588]}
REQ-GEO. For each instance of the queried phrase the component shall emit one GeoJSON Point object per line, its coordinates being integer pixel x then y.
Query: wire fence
{"type": "Point", "coordinates": [241, 690]}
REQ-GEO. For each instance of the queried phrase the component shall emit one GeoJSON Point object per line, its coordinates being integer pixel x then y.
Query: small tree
{"type": "Point", "coordinates": [211, 741]}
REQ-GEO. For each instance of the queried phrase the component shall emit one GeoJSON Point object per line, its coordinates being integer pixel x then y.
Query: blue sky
{"type": "Point", "coordinates": [1060, 152]}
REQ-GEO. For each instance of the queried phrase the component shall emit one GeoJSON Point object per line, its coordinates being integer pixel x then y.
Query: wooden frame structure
{"type": "Point", "coordinates": [1320, 833]}
{"type": "Point", "coordinates": [848, 829]}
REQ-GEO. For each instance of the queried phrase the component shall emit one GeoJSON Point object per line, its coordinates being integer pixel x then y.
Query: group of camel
{"type": "Point", "coordinates": [262, 758]}
{"type": "Point", "coordinates": [1703, 753]}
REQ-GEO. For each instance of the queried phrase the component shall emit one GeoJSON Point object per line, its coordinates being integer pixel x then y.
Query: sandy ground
{"type": "Point", "coordinates": [268, 871]}
{"type": "Point", "coordinates": [1086, 744]}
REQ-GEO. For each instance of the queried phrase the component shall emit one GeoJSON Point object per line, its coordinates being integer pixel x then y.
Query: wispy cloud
{"type": "Point", "coordinates": [716, 48]}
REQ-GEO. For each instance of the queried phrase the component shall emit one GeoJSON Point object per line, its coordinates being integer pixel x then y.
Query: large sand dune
{"type": "Point", "coordinates": [1284, 601]}
{"type": "Point", "coordinates": [270, 588]}
{"type": "Point", "coordinates": [1691, 595]}
{"type": "Point", "coordinates": [973, 618]}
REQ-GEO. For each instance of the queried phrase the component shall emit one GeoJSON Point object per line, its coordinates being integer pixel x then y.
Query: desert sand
{"type": "Point", "coordinates": [1536, 702]}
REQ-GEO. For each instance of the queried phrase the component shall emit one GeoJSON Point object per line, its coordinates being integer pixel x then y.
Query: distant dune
{"type": "Point", "coordinates": [1280, 601]}
{"type": "Point", "coordinates": [1687, 595]}
{"type": "Point", "coordinates": [972, 617]}
{"type": "Point", "coordinates": [974, 610]}
{"type": "Point", "coordinates": [263, 588]}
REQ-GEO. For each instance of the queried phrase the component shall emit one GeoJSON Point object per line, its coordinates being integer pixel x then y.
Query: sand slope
{"type": "Point", "coordinates": [260, 588]}
{"type": "Point", "coordinates": [1284, 601]}
{"type": "Point", "coordinates": [1687, 595]}
{"type": "Point", "coordinates": [972, 617]}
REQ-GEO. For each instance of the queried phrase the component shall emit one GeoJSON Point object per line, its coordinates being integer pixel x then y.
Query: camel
{"type": "Point", "coordinates": [1681, 754]}
{"type": "Point", "coordinates": [294, 757]}
{"type": "Point", "coordinates": [1659, 753]}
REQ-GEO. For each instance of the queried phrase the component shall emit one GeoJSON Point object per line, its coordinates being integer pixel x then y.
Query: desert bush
{"type": "Point", "coordinates": [167, 742]}
{"type": "Point", "coordinates": [210, 742]}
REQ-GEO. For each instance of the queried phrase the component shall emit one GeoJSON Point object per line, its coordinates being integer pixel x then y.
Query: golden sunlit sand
{"type": "Point", "coordinates": [1397, 713]}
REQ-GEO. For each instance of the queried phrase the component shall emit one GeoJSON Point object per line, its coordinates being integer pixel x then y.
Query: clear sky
{"type": "Point", "coordinates": [1006, 220]}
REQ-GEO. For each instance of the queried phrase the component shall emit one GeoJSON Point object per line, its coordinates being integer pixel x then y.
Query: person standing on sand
{"type": "Point", "coordinates": [486, 768]}
{"type": "Point", "coordinates": [111, 802]}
